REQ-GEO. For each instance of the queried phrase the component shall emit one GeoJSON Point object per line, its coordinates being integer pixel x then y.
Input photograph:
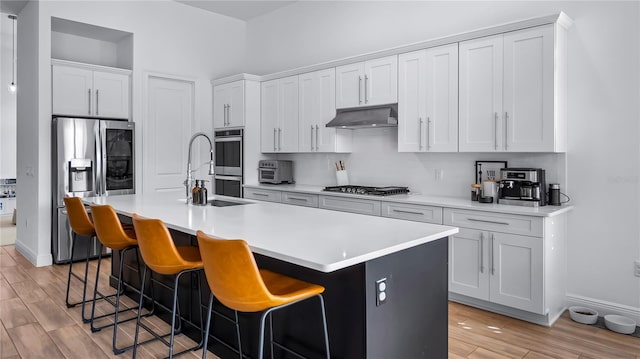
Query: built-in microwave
{"type": "Point", "coordinates": [228, 162]}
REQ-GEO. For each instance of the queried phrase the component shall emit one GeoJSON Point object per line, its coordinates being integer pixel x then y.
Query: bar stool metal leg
{"type": "Point", "coordinates": [84, 280]}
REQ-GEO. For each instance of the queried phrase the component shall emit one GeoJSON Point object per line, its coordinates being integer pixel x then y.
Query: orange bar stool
{"type": "Point", "coordinates": [112, 234]}
{"type": "Point", "coordinates": [234, 278]}
{"type": "Point", "coordinates": [81, 228]}
{"type": "Point", "coordinates": [162, 256]}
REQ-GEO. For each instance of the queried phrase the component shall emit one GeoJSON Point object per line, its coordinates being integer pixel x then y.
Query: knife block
{"type": "Point", "coordinates": [342, 178]}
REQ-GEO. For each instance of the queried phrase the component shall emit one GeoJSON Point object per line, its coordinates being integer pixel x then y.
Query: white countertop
{"type": "Point", "coordinates": [319, 239]}
{"type": "Point", "coordinates": [440, 201]}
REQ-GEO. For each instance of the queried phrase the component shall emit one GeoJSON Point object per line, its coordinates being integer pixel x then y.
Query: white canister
{"type": "Point", "coordinates": [489, 188]}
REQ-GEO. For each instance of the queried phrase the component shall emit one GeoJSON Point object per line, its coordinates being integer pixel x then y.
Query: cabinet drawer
{"type": "Point", "coordinates": [263, 195]}
{"type": "Point", "coordinates": [353, 205]}
{"type": "Point", "coordinates": [300, 199]}
{"type": "Point", "coordinates": [499, 222]}
{"type": "Point", "coordinates": [412, 212]}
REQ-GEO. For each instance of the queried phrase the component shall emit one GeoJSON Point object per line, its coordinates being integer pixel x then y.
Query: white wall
{"type": "Point", "coordinates": [601, 169]}
{"type": "Point", "coordinates": [8, 102]}
{"type": "Point", "coordinates": [169, 38]}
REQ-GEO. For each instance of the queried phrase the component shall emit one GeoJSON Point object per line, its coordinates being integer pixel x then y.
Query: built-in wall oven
{"type": "Point", "coordinates": [228, 163]}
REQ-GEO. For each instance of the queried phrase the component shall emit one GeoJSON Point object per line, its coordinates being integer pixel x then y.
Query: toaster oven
{"type": "Point", "coordinates": [275, 171]}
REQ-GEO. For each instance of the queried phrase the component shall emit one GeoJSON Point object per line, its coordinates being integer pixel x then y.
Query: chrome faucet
{"type": "Point", "coordinates": [188, 182]}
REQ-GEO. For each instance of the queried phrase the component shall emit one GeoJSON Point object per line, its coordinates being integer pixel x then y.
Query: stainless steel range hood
{"type": "Point", "coordinates": [366, 117]}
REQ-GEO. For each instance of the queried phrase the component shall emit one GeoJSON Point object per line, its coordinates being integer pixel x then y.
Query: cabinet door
{"type": "Point", "coordinates": [468, 263]}
{"type": "Point", "coordinates": [517, 272]}
{"type": "Point", "coordinates": [381, 81]}
{"type": "Point", "coordinates": [308, 114]}
{"type": "Point", "coordinates": [412, 104]}
{"type": "Point", "coordinates": [349, 85]}
{"type": "Point", "coordinates": [235, 109]}
{"type": "Point", "coordinates": [111, 94]}
{"type": "Point", "coordinates": [269, 116]}
{"type": "Point", "coordinates": [528, 90]}
{"type": "Point", "coordinates": [481, 95]}
{"type": "Point", "coordinates": [220, 102]}
{"type": "Point", "coordinates": [288, 114]}
{"type": "Point", "coordinates": [72, 91]}
{"type": "Point", "coordinates": [442, 99]}
{"type": "Point", "coordinates": [326, 137]}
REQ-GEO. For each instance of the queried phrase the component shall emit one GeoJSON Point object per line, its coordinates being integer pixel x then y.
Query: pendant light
{"type": "Point", "coordinates": [12, 86]}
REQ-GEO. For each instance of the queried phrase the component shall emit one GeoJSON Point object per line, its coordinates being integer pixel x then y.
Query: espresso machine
{"type": "Point", "coordinates": [522, 187]}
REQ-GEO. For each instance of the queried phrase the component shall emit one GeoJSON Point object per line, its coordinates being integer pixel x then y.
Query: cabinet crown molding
{"type": "Point", "coordinates": [92, 67]}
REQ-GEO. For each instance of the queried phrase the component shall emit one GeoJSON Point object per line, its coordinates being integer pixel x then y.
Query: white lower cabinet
{"type": "Point", "coordinates": [263, 194]}
{"type": "Point", "coordinates": [498, 267]}
{"type": "Point", "coordinates": [353, 205]}
{"type": "Point", "coordinates": [300, 199]}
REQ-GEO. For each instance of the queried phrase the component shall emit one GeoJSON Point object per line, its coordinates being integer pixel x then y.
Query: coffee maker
{"type": "Point", "coordinates": [522, 187]}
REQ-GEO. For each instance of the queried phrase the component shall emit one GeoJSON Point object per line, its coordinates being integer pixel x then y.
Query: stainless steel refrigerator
{"type": "Point", "coordinates": [91, 157]}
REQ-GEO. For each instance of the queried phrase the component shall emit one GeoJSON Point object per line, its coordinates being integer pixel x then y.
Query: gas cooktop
{"type": "Point", "coordinates": [371, 191]}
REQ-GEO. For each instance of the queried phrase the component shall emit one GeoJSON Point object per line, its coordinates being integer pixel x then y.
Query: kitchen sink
{"type": "Point", "coordinates": [221, 203]}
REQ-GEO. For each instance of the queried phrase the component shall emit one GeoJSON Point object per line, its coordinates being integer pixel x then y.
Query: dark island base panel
{"type": "Point", "coordinates": [411, 324]}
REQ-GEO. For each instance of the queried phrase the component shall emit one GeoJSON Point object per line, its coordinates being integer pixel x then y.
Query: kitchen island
{"type": "Point", "coordinates": [347, 253]}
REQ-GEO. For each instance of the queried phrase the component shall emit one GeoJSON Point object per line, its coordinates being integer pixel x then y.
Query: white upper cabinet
{"type": "Point", "coordinates": [85, 90]}
{"type": "Point", "coordinates": [368, 83]}
{"type": "Point", "coordinates": [229, 105]}
{"type": "Point", "coordinates": [317, 106]}
{"type": "Point", "coordinates": [481, 95]}
{"type": "Point", "coordinates": [512, 92]}
{"type": "Point", "coordinates": [279, 115]}
{"type": "Point", "coordinates": [428, 100]}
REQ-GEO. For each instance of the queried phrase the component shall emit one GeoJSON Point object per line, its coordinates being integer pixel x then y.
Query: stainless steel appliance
{"type": "Point", "coordinates": [228, 163]}
{"type": "Point", "coordinates": [370, 191]}
{"type": "Point", "coordinates": [522, 186]}
{"type": "Point", "coordinates": [90, 157]}
{"type": "Point", "coordinates": [275, 171]}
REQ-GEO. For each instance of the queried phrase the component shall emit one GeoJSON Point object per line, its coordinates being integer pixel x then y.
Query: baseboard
{"type": "Point", "coordinates": [603, 307]}
{"type": "Point", "coordinates": [39, 260]}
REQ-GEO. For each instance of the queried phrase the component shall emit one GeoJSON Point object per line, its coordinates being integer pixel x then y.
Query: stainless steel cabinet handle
{"type": "Point", "coordinates": [420, 132]}
{"type": "Point", "coordinates": [311, 137]}
{"type": "Point", "coordinates": [298, 198]}
{"type": "Point", "coordinates": [259, 194]}
{"type": "Point", "coordinates": [428, 131]}
{"type": "Point", "coordinates": [487, 221]}
{"type": "Point", "coordinates": [493, 254]}
{"type": "Point", "coordinates": [481, 252]}
{"type": "Point", "coordinates": [228, 114]}
{"type": "Point", "coordinates": [506, 134]}
{"type": "Point", "coordinates": [89, 112]}
{"type": "Point", "coordinates": [496, 131]}
{"type": "Point", "coordinates": [317, 146]}
{"type": "Point", "coordinates": [407, 212]}
{"type": "Point", "coordinates": [274, 139]}
{"type": "Point", "coordinates": [279, 139]}
{"type": "Point", "coordinates": [359, 89]}
{"type": "Point", "coordinates": [224, 115]}
{"type": "Point", "coordinates": [366, 94]}
{"type": "Point", "coordinates": [97, 102]}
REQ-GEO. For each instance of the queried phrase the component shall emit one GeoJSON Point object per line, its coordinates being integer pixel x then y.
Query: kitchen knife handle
{"type": "Point", "coordinates": [420, 132]}
{"type": "Point", "coordinates": [366, 93]}
{"type": "Point", "coordinates": [496, 131]}
{"type": "Point", "coordinates": [481, 252]}
{"type": "Point", "coordinates": [317, 147]}
{"type": "Point", "coordinates": [89, 91]}
{"type": "Point", "coordinates": [97, 102]}
{"type": "Point", "coordinates": [359, 89]}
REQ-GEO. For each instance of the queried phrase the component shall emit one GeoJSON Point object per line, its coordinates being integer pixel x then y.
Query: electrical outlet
{"type": "Point", "coordinates": [381, 291]}
{"type": "Point", "coordinates": [637, 268]}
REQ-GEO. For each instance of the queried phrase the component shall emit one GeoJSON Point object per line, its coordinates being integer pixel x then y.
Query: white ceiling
{"type": "Point", "coordinates": [239, 9]}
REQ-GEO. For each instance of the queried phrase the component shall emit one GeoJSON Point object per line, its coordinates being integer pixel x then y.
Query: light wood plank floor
{"type": "Point", "coordinates": [37, 324]}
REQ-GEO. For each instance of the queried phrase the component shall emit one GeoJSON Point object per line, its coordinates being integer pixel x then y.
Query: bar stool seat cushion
{"type": "Point", "coordinates": [287, 289]}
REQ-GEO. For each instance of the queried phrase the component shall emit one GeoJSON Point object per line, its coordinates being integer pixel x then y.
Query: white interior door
{"type": "Point", "coordinates": [167, 130]}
